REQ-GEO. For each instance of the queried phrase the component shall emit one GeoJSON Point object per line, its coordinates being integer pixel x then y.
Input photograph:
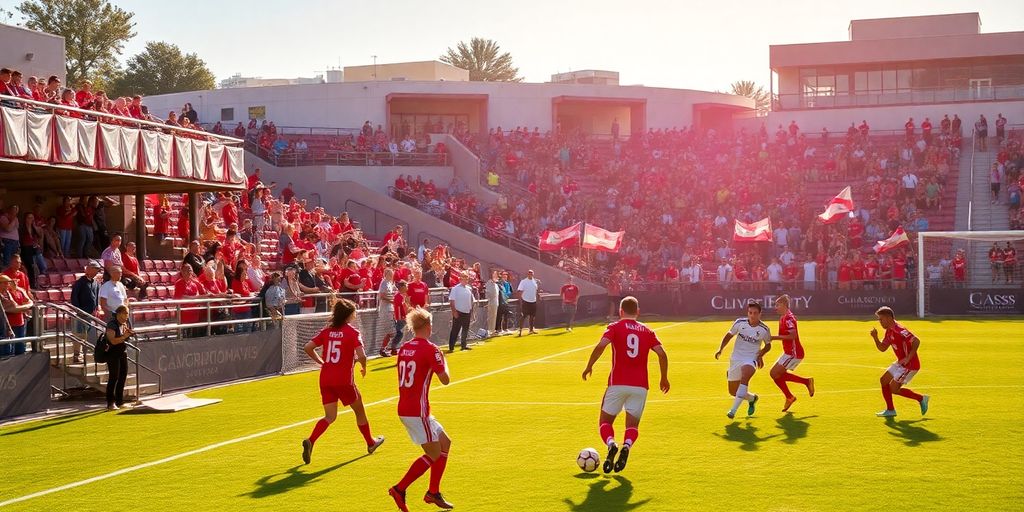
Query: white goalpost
{"type": "Point", "coordinates": [936, 251]}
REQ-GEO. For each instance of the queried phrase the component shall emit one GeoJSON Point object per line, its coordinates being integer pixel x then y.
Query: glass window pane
{"type": "Point", "coordinates": [924, 78]}
{"type": "Point", "coordinates": [903, 80]}
{"type": "Point", "coordinates": [874, 81]}
{"type": "Point", "coordinates": [842, 84]}
{"type": "Point", "coordinates": [808, 72]}
{"type": "Point", "coordinates": [826, 85]}
{"type": "Point", "coordinates": [889, 79]}
{"type": "Point", "coordinates": [860, 82]}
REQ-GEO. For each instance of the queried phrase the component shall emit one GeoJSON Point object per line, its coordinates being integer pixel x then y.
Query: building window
{"type": "Point", "coordinates": [227, 114]}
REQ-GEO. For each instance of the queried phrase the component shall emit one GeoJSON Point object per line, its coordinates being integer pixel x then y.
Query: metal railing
{"type": "Point", "coordinates": [909, 96]}
{"type": "Point", "coordinates": [970, 201]}
{"type": "Point", "coordinates": [350, 158]}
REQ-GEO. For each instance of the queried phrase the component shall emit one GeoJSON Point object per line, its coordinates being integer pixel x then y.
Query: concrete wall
{"type": "Point", "coordinates": [964, 46]}
{"type": "Point", "coordinates": [467, 167]}
{"type": "Point", "coordinates": [428, 70]}
{"type": "Point", "coordinates": [916, 26]}
{"type": "Point", "coordinates": [348, 105]}
{"type": "Point", "coordinates": [47, 52]}
{"type": "Point", "coordinates": [838, 120]}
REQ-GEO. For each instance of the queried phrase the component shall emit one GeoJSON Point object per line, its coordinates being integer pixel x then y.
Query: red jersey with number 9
{"type": "Point", "coordinates": [631, 342]}
{"type": "Point", "coordinates": [418, 361]}
{"type": "Point", "coordinates": [902, 341]}
{"type": "Point", "coordinates": [338, 345]}
{"type": "Point", "coordinates": [787, 324]}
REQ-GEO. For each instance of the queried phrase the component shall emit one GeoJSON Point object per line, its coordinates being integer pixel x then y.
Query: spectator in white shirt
{"type": "Point", "coordinates": [787, 256]}
{"type": "Point", "coordinates": [528, 290]}
{"type": "Point", "coordinates": [695, 275]}
{"type": "Point", "coordinates": [775, 273]}
{"type": "Point", "coordinates": [113, 293]}
{"type": "Point", "coordinates": [810, 274]}
{"type": "Point", "coordinates": [781, 236]}
{"type": "Point", "coordinates": [909, 184]}
{"type": "Point", "coordinates": [725, 274]}
{"type": "Point", "coordinates": [460, 297]}
{"type": "Point", "coordinates": [408, 145]}
{"type": "Point", "coordinates": [112, 254]}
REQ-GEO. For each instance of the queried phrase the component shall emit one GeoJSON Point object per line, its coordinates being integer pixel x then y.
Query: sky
{"type": "Point", "coordinates": [680, 44]}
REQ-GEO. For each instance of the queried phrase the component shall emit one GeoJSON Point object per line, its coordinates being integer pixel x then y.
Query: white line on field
{"type": "Point", "coordinates": [256, 435]}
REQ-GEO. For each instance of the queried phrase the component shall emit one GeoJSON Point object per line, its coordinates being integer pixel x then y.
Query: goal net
{"type": "Point", "coordinates": [297, 330]}
{"type": "Point", "coordinates": [966, 272]}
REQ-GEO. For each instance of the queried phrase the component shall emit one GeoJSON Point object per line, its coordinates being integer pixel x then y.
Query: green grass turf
{"type": "Point", "coordinates": [516, 434]}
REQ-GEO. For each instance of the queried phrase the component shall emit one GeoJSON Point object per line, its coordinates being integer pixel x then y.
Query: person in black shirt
{"type": "Point", "coordinates": [194, 258]}
{"type": "Point", "coordinates": [311, 282]}
{"type": "Point", "coordinates": [118, 331]}
{"type": "Point", "coordinates": [85, 295]}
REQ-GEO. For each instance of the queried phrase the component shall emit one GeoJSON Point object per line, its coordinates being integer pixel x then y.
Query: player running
{"type": "Point", "coordinates": [747, 356]}
{"type": "Point", "coordinates": [631, 342]}
{"type": "Point", "coordinates": [342, 346]}
{"type": "Point", "coordinates": [418, 361]}
{"type": "Point", "coordinates": [905, 345]}
{"type": "Point", "coordinates": [792, 353]}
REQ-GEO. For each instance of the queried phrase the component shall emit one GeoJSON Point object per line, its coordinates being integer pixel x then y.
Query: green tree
{"type": "Point", "coordinates": [162, 68]}
{"type": "Point", "coordinates": [94, 32]}
{"type": "Point", "coordinates": [753, 91]}
{"type": "Point", "coordinates": [484, 60]}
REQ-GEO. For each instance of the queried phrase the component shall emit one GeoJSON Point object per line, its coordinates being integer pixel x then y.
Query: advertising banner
{"type": "Point", "coordinates": [975, 301]}
{"type": "Point", "coordinates": [200, 361]}
{"type": "Point", "coordinates": [854, 303]}
{"type": "Point", "coordinates": [24, 384]}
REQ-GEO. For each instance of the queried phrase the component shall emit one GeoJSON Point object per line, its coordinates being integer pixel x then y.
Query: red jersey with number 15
{"type": "Point", "coordinates": [787, 324]}
{"type": "Point", "coordinates": [338, 348]}
{"type": "Point", "coordinates": [418, 361]}
{"type": "Point", "coordinates": [631, 342]}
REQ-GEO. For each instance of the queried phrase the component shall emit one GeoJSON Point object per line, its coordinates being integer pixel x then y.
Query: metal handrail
{"type": "Point", "coordinates": [970, 202]}
{"type": "Point", "coordinates": [916, 95]}
{"type": "Point", "coordinates": [53, 107]}
{"type": "Point", "coordinates": [368, 158]}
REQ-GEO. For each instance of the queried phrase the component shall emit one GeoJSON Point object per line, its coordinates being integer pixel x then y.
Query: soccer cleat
{"type": "Point", "coordinates": [609, 463]}
{"type": "Point", "coordinates": [731, 414]}
{"type": "Point", "coordinates": [623, 456]}
{"type": "Point", "coordinates": [810, 386]}
{"type": "Point", "coordinates": [399, 497]}
{"type": "Point", "coordinates": [888, 413]}
{"type": "Point", "coordinates": [376, 444]}
{"type": "Point", "coordinates": [752, 406]}
{"type": "Point", "coordinates": [924, 404]}
{"type": "Point", "coordinates": [307, 450]}
{"type": "Point", "coordinates": [437, 499]}
{"type": "Point", "coordinates": [789, 402]}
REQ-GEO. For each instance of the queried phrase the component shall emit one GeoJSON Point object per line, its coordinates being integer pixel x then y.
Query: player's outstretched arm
{"type": "Point", "coordinates": [663, 364]}
{"type": "Point", "coordinates": [310, 349]}
{"type": "Point", "coordinates": [760, 355]}
{"type": "Point", "coordinates": [880, 345]}
{"type": "Point", "coordinates": [914, 343]}
{"type": "Point", "coordinates": [361, 359]}
{"type": "Point", "coordinates": [725, 341]}
{"type": "Point", "coordinates": [784, 337]}
{"type": "Point", "coordinates": [594, 356]}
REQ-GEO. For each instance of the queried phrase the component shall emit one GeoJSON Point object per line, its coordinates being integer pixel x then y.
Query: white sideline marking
{"type": "Point", "coordinates": [214, 446]}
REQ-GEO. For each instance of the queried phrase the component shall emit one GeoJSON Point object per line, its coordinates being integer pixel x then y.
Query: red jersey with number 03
{"type": "Point", "coordinates": [901, 341]}
{"type": "Point", "coordinates": [570, 293]}
{"type": "Point", "coordinates": [631, 341]}
{"type": "Point", "coordinates": [418, 361]}
{"type": "Point", "coordinates": [418, 293]}
{"type": "Point", "coordinates": [787, 324]}
{"type": "Point", "coordinates": [338, 346]}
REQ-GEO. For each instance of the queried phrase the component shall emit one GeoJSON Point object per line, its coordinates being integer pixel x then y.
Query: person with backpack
{"type": "Point", "coordinates": [111, 350]}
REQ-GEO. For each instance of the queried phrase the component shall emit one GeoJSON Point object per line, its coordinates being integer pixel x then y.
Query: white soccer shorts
{"type": "Point", "coordinates": [630, 398]}
{"type": "Point", "coordinates": [422, 430]}
{"type": "Point", "coordinates": [735, 372]}
{"type": "Point", "coordinates": [901, 374]}
{"type": "Point", "coordinates": [788, 362]}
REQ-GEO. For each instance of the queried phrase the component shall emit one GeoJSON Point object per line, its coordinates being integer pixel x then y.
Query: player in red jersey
{"type": "Point", "coordinates": [905, 345]}
{"type": "Point", "coordinates": [631, 343]}
{"type": "Point", "coordinates": [792, 353]}
{"type": "Point", "coordinates": [418, 361]}
{"type": "Point", "coordinates": [570, 296]}
{"type": "Point", "coordinates": [342, 347]}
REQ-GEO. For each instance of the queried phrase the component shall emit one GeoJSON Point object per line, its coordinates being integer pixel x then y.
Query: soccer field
{"type": "Point", "coordinates": [518, 412]}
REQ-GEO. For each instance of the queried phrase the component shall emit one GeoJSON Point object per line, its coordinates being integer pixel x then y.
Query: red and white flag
{"type": "Point", "coordinates": [555, 240]}
{"type": "Point", "coordinates": [838, 206]}
{"type": "Point", "coordinates": [897, 240]}
{"type": "Point", "coordinates": [601, 239]}
{"type": "Point", "coordinates": [760, 231]}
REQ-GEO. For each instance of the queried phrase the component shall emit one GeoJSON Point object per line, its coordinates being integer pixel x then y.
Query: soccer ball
{"type": "Point", "coordinates": [588, 460]}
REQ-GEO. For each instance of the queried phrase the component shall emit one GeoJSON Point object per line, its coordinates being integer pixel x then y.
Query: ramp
{"type": "Point", "coordinates": [170, 403]}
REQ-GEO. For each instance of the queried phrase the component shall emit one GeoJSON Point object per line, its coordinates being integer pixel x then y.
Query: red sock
{"type": "Point", "coordinates": [365, 430]}
{"type": "Point", "coordinates": [318, 429]}
{"type": "Point", "coordinates": [436, 472]}
{"type": "Point", "coordinates": [607, 433]}
{"type": "Point", "coordinates": [781, 383]}
{"type": "Point", "coordinates": [795, 378]}
{"type": "Point", "coordinates": [906, 393]}
{"type": "Point", "coordinates": [887, 394]}
{"type": "Point", "coordinates": [419, 466]}
{"type": "Point", "coordinates": [631, 435]}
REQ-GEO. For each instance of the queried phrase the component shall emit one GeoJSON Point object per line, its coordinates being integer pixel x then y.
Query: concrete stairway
{"type": "Point", "coordinates": [95, 376]}
{"type": "Point", "coordinates": [976, 211]}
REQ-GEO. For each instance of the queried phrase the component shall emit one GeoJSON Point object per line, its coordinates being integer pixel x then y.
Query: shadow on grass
{"type": "Point", "coordinates": [56, 422]}
{"type": "Point", "coordinates": [745, 435]}
{"type": "Point", "coordinates": [794, 428]}
{"type": "Point", "coordinates": [272, 485]}
{"type": "Point", "coordinates": [601, 498]}
{"type": "Point", "coordinates": [911, 432]}
{"type": "Point", "coordinates": [381, 368]}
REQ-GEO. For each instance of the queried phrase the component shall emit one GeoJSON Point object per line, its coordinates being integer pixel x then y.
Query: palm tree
{"type": "Point", "coordinates": [753, 91]}
{"type": "Point", "coordinates": [484, 60]}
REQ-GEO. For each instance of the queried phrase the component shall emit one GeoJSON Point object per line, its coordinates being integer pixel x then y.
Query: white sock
{"type": "Point", "coordinates": [741, 392]}
{"type": "Point", "coordinates": [741, 395]}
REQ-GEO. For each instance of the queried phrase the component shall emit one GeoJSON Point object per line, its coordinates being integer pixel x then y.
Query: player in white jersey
{"type": "Point", "coordinates": [747, 356]}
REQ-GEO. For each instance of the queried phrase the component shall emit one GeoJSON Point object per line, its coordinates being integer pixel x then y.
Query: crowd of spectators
{"type": "Point", "coordinates": [272, 144]}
